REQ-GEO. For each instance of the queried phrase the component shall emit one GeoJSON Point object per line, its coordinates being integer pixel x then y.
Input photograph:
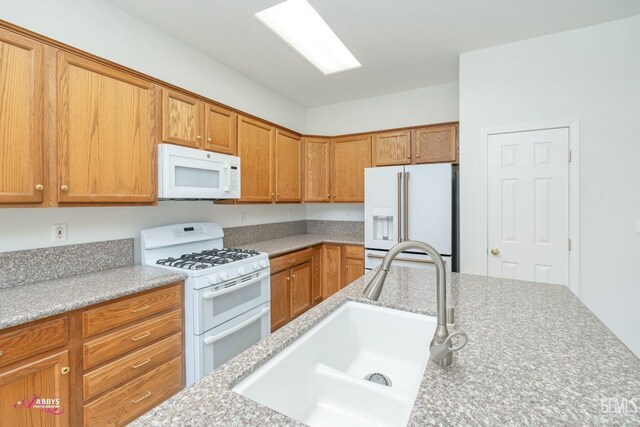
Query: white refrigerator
{"type": "Point", "coordinates": [409, 203]}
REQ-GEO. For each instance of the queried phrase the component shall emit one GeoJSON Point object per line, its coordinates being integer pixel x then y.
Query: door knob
{"type": "Point", "coordinates": [495, 251]}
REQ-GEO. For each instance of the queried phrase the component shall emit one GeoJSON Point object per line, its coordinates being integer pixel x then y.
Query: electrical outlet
{"type": "Point", "coordinates": [59, 232]}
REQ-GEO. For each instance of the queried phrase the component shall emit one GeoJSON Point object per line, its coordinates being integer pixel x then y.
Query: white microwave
{"type": "Point", "coordinates": [187, 173]}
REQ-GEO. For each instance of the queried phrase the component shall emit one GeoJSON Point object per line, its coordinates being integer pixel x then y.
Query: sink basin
{"type": "Point", "coordinates": [320, 380]}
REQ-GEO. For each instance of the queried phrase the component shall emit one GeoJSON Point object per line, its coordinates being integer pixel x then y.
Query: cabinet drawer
{"type": "Point", "coordinates": [29, 341]}
{"type": "Point", "coordinates": [131, 366]}
{"type": "Point", "coordinates": [136, 397]}
{"type": "Point", "coordinates": [109, 316]}
{"type": "Point", "coordinates": [290, 260]}
{"type": "Point", "coordinates": [353, 251]}
{"type": "Point", "coordinates": [110, 346]}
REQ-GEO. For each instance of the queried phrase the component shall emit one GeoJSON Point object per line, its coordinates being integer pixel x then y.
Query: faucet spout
{"type": "Point", "coordinates": [441, 352]}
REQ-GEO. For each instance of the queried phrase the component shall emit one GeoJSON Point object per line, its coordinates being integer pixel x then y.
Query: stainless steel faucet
{"type": "Point", "coordinates": [441, 352]}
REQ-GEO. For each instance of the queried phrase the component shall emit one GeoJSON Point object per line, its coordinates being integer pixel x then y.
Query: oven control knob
{"type": "Point", "coordinates": [241, 271]}
{"type": "Point", "coordinates": [256, 266]}
{"type": "Point", "coordinates": [223, 276]}
{"type": "Point", "coordinates": [213, 279]}
{"type": "Point", "coordinates": [263, 264]}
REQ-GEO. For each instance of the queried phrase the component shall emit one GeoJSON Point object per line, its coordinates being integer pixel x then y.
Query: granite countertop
{"type": "Point", "coordinates": [536, 355]}
{"type": "Point", "coordinates": [22, 304]}
{"type": "Point", "coordinates": [300, 241]}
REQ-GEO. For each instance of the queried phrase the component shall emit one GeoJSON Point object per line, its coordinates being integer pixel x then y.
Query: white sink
{"type": "Point", "coordinates": [319, 379]}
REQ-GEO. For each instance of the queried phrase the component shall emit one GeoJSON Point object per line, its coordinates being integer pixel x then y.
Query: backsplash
{"type": "Point", "coordinates": [35, 265]}
{"type": "Point", "coordinates": [241, 236]}
{"type": "Point", "coordinates": [347, 228]}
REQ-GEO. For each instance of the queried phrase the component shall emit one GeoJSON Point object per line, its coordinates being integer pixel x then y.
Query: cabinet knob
{"type": "Point", "coordinates": [328, 196]}
{"type": "Point", "coordinates": [408, 157]}
{"type": "Point", "coordinates": [346, 266]}
{"type": "Point", "coordinates": [495, 251]}
{"type": "Point", "coordinates": [64, 187]}
{"type": "Point", "coordinates": [277, 194]}
{"type": "Point", "coordinates": [198, 137]}
{"type": "Point", "coordinates": [65, 370]}
{"type": "Point", "coordinates": [39, 187]}
{"type": "Point", "coordinates": [273, 194]}
{"type": "Point", "coordinates": [334, 196]}
{"type": "Point", "coordinates": [209, 139]}
{"type": "Point", "coordinates": [288, 278]}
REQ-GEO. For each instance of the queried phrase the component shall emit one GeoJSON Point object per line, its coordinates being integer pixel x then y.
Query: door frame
{"type": "Point", "coordinates": [574, 194]}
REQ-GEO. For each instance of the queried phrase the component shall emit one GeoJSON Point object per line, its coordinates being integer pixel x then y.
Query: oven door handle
{"type": "Point", "coordinates": [211, 340]}
{"type": "Point", "coordinates": [213, 294]}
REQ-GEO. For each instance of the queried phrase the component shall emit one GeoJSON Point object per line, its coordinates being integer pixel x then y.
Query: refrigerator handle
{"type": "Point", "coordinates": [406, 206]}
{"type": "Point", "coordinates": [398, 218]}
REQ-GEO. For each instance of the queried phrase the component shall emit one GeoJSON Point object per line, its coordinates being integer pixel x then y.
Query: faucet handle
{"type": "Point", "coordinates": [440, 351]}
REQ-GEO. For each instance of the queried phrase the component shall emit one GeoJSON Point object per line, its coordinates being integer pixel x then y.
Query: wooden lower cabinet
{"type": "Point", "coordinates": [280, 300]}
{"type": "Point", "coordinates": [129, 364]}
{"type": "Point", "coordinates": [301, 278]}
{"type": "Point", "coordinates": [353, 263]}
{"type": "Point", "coordinates": [316, 275]}
{"type": "Point", "coordinates": [332, 271]}
{"type": "Point", "coordinates": [43, 377]}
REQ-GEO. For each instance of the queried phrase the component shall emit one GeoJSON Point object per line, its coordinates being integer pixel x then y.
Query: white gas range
{"type": "Point", "coordinates": [227, 292]}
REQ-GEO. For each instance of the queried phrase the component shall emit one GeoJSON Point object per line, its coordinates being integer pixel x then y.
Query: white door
{"type": "Point", "coordinates": [528, 205]}
{"type": "Point", "coordinates": [383, 206]}
{"type": "Point", "coordinates": [428, 205]}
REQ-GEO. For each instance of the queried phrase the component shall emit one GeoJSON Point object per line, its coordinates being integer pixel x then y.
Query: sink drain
{"type": "Point", "coordinates": [379, 378]}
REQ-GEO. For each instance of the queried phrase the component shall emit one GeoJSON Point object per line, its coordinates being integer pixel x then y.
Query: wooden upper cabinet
{"type": "Point", "coordinates": [255, 148]}
{"type": "Point", "coordinates": [317, 172]}
{"type": "Point", "coordinates": [436, 144]}
{"type": "Point", "coordinates": [392, 148]}
{"type": "Point", "coordinates": [350, 156]}
{"type": "Point", "coordinates": [221, 129]}
{"type": "Point", "coordinates": [288, 167]}
{"type": "Point", "coordinates": [46, 377]}
{"type": "Point", "coordinates": [21, 144]}
{"type": "Point", "coordinates": [106, 134]}
{"type": "Point", "coordinates": [181, 119]}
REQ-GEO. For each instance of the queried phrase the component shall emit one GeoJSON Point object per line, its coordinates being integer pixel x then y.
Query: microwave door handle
{"type": "Point", "coordinates": [213, 294]}
{"type": "Point", "coordinates": [227, 182]}
{"type": "Point", "coordinates": [211, 340]}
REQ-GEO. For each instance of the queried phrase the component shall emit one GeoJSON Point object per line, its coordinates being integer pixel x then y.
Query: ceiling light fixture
{"type": "Point", "coordinates": [300, 25]}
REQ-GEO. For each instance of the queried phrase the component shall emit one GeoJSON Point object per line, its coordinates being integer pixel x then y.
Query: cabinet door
{"type": "Point", "coordinates": [353, 270]}
{"type": "Point", "coordinates": [43, 378]}
{"type": "Point", "coordinates": [106, 144]}
{"type": "Point", "coordinates": [255, 148]}
{"type": "Point", "coordinates": [350, 156]}
{"type": "Point", "coordinates": [300, 289]}
{"type": "Point", "coordinates": [332, 277]}
{"type": "Point", "coordinates": [392, 148]}
{"type": "Point", "coordinates": [280, 299]}
{"type": "Point", "coordinates": [221, 133]}
{"type": "Point", "coordinates": [288, 167]}
{"type": "Point", "coordinates": [181, 119]}
{"type": "Point", "coordinates": [316, 275]}
{"type": "Point", "coordinates": [317, 152]}
{"type": "Point", "coordinates": [21, 74]}
{"type": "Point", "coordinates": [435, 144]}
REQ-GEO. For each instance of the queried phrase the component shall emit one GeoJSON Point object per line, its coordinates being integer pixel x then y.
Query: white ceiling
{"type": "Point", "coordinates": [401, 44]}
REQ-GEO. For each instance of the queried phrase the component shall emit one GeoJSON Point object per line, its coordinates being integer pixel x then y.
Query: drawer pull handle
{"type": "Point", "coordinates": [1, 352]}
{"type": "Point", "coordinates": [147, 394]}
{"type": "Point", "coordinates": [146, 334]}
{"type": "Point", "coordinates": [65, 370]}
{"type": "Point", "coordinates": [144, 362]}
{"type": "Point", "coordinates": [144, 307]}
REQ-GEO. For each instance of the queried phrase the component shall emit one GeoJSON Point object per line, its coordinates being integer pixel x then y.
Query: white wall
{"type": "Point", "coordinates": [590, 75]}
{"type": "Point", "coordinates": [335, 211]}
{"type": "Point", "coordinates": [28, 228]}
{"type": "Point", "coordinates": [434, 104]}
{"type": "Point", "coordinates": [104, 30]}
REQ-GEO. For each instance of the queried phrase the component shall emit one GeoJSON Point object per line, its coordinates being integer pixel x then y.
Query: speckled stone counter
{"type": "Point", "coordinates": [277, 247]}
{"type": "Point", "coordinates": [536, 355]}
{"type": "Point", "coordinates": [26, 303]}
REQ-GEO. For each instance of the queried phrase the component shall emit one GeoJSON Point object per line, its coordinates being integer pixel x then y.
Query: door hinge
{"type": "Point", "coordinates": [569, 156]}
{"type": "Point", "coordinates": [569, 244]}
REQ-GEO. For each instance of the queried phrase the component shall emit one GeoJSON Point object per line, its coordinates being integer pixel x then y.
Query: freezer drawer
{"type": "Point", "coordinates": [373, 258]}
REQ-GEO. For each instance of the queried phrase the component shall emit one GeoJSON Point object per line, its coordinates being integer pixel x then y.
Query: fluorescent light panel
{"type": "Point", "coordinates": [298, 24]}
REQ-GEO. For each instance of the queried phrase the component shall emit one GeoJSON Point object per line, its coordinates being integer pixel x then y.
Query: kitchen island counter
{"type": "Point", "coordinates": [536, 355]}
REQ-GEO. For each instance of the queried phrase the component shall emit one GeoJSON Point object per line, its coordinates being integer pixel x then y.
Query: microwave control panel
{"type": "Point", "coordinates": [234, 185]}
